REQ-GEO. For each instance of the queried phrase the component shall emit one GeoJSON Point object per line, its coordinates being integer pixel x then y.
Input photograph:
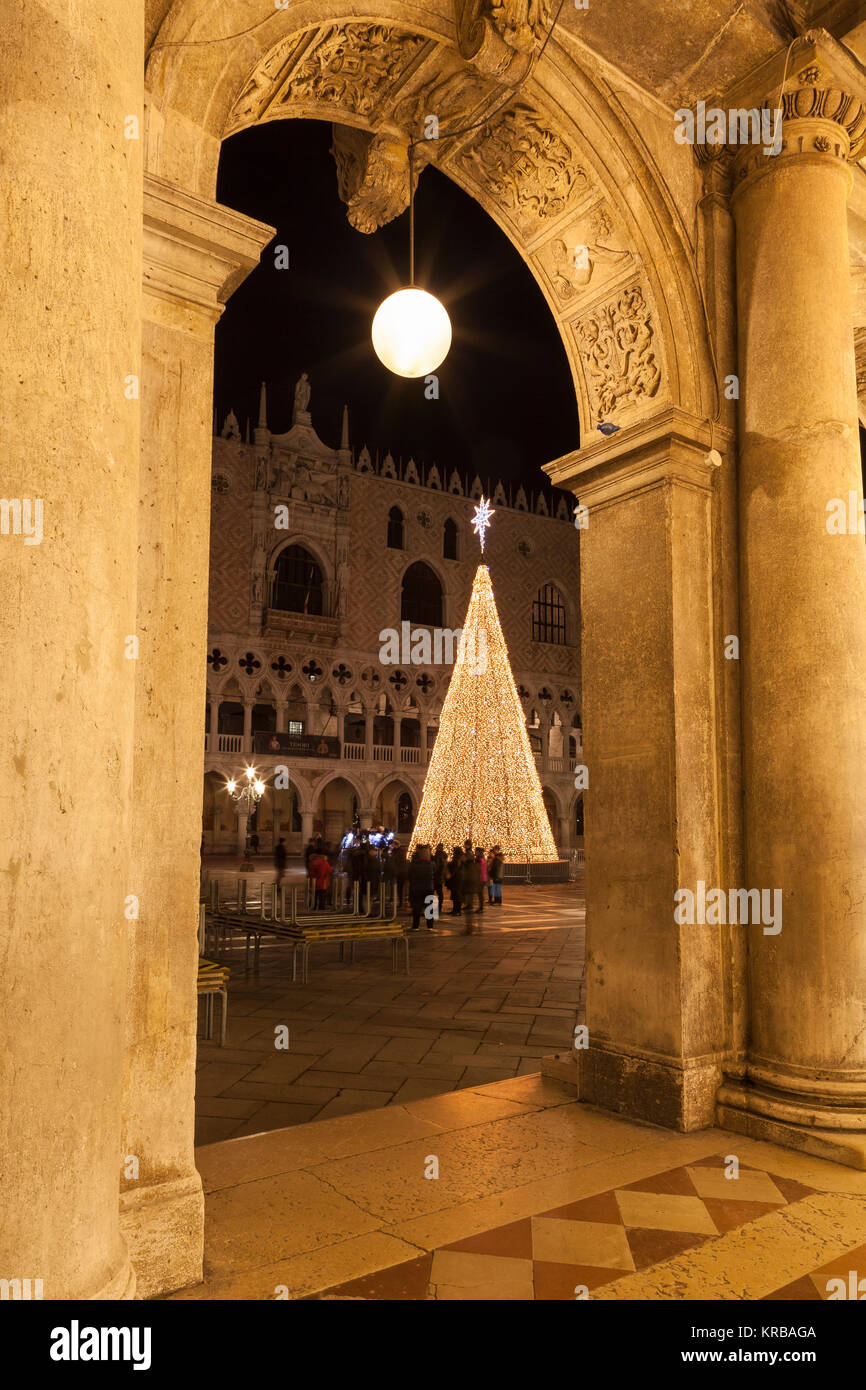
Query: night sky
{"type": "Point", "coordinates": [506, 403]}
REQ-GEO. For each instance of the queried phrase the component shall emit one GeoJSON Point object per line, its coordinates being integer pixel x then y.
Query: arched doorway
{"type": "Point", "coordinates": [335, 810]}
{"type": "Point", "coordinates": [396, 807]}
{"type": "Point", "coordinates": [574, 156]}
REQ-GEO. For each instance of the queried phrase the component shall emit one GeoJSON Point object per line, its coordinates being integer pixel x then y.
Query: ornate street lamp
{"type": "Point", "coordinates": [246, 796]}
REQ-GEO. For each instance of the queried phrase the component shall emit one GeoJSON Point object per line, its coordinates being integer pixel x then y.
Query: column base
{"type": "Point", "coordinates": [121, 1287]}
{"type": "Point", "coordinates": [674, 1093]}
{"type": "Point", "coordinates": [164, 1230]}
{"type": "Point", "coordinates": [746, 1110]}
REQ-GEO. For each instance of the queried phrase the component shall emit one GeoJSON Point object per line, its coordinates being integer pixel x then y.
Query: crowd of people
{"type": "Point", "coordinates": [471, 875]}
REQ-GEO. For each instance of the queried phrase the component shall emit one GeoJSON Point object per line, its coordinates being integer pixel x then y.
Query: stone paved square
{"type": "Point", "coordinates": [474, 1009]}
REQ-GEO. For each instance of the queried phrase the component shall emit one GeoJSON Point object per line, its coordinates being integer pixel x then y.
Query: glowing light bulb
{"type": "Point", "coordinates": [258, 786]}
{"type": "Point", "coordinates": [231, 784]}
{"type": "Point", "coordinates": [411, 332]}
{"type": "Point", "coordinates": [251, 772]}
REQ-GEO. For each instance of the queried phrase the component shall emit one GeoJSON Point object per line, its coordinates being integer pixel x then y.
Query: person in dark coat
{"type": "Point", "coordinates": [494, 876]}
{"type": "Point", "coordinates": [280, 861]}
{"type": "Point", "coordinates": [453, 881]}
{"type": "Point", "coordinates": [372, 872]}
{"type": "Point", "coordinates": [440, 871]}
{"type": "Point", "coordinates": [356, 870]}
{"type": "Point", "coordinates": [420, 877]}
{"type": "Point", "coordinates": [401, 871]}
{"type": "Point", "coordinates": [470, 891]}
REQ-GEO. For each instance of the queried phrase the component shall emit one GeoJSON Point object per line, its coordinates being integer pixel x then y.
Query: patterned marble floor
{"type": "Point", "coordinates": [534, 1197]}
{"type": "Point", "coordinates": [566, 1252]}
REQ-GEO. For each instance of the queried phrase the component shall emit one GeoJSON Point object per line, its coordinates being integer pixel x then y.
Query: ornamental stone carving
{"type": "Point", "coordinates": [372, 176]}
{"type": "Point", "coordinates": [501, 38]}
{"type": "Point", "coordinates": [351, 67]}
{"type": "Point", "coordinates": [584, 253]}
{"type": "Point", "coordinates": [529, 170]}
{"type": "Point", "coordinates": [617, 346]}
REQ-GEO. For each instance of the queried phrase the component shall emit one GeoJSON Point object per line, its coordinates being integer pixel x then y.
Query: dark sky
{"type": "Point", "coordinates": [506, 403]}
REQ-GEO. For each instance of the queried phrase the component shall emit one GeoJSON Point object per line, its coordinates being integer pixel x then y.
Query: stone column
{"type": "Point", "coordinates": [803, 606]}
{"type": "Point", "coordinates": [423, 755]}
{"type": "Point", "coordinates": [368, 736]}
{"type": "Point", "coordinates": [241, 830]}
{"type": "Point", "coordinates": [214, 723]}
{"type": "Point", "coordinates": [195, 253]}
{"type": "Point", "coordinates": [248, 725]}
{"type": "Point", "coordinates": [70, 354]}
{"type": "Point", "coordinates": [658, 1030]}
{"type": "Point", "coordinates": [306, 826]}
{"type": "Point", "coordinates": [282, 717]}
{"type": "Point", "coordinates": [398, 726]}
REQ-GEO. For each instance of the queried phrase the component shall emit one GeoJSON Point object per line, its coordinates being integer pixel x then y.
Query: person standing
{"type": "Point", "coordinates": [312, 874]}
{"type": "Point", "coordinates": [481, 861]}
{"type": "Point", "coordinates": [323, 879]}
{"type": "Point", "coordinates": [495, 876]}
{"type": "Point", "coordinates": [470, 892]}
{"type": "Point", "coordinates": [420, 878]}
{"type": "Point", "coordinates": [454, 884]}
{"type": "Point", "coordinates": [401, 871]}
{"type": "Point", "coordinates": [372, 875]}
{"type": "Point", "coordinates": [440, 870]}
{"type": "Point", "coordinates": [280, 861]}
{"type": "Point", "coordinates": [356, 870]}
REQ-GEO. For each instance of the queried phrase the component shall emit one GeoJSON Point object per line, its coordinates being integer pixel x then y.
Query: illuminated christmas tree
{"type": "Point", "coordinates": [482, 783]}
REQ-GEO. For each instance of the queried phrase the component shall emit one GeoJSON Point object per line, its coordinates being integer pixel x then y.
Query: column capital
{"type": "Point", "coordinates": [672, 445]}
{"type": "Point", "coordinates": [195, 252]}
{"type": "Point", "coordinates": [820, 90]}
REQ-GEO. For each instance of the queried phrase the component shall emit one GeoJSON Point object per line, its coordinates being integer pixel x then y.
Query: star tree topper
{"type": "Point", "coordinates": [481, 520]}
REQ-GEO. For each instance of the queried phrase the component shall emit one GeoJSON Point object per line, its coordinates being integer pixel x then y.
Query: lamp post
{"type": "Point", "coordinates": [246, 796]}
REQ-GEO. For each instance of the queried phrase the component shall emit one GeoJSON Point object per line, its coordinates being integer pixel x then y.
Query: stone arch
{"type": "Point", "coordinates": [568, 604]}
{"type": "Point", "coordinates": [583, 157]}
{"type": "Point", "coordinates": [575, 139]}
{"type": "Point", "coordinates": [341, 774]}
{"type": "Point", "coordinates": [316, 552]}
{"type": "Point", "coordinates": [418, 565]}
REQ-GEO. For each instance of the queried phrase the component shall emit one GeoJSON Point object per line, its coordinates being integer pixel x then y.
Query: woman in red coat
{"type": "Point", "coordinates": [323, 873]}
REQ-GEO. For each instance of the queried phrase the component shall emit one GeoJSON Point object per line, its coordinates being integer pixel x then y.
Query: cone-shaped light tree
{"type": "Point", "coordinates": [482, 783]}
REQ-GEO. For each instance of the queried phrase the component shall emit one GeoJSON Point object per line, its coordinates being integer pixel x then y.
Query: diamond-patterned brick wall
{"type": "Point", "coordinates": [524, 551]}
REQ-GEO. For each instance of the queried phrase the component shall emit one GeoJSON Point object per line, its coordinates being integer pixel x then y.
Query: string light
{"type": "Point", "coordinates": [482, 783]}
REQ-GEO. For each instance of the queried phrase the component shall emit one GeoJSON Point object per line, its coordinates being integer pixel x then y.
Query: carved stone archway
{"type": "Point", "coordinates": [562, 170]}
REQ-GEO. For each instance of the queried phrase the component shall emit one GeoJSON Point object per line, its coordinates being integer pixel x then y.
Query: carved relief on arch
{"type": "Point", "coordinates": [349, 67]}
{"type": "Point", "coordinates": [529, 170]}
{"type": "Point", "coordinates": [620, 351]}
{"type": "Point", "coordinates": [585, 256]}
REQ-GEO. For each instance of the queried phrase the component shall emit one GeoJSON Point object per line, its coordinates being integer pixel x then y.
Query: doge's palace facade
{"type": "Point", "coordinates": [315, 552]}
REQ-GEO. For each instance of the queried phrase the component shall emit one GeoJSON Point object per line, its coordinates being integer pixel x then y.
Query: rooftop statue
{"type": "Point", "coordinates": [302, 396]}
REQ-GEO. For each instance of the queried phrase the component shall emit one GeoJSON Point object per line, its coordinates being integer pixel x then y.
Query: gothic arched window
{"type": "Point", "coordinates": [449, 540]}
{"type": "Point", "coordinates": [421, 596]}
{"type": "Point", "coordinates": [299, 586]}
{"type": "Point", "coordinates": [395, 529]}
{"type": "Point", "coordinates": [548, 616]}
